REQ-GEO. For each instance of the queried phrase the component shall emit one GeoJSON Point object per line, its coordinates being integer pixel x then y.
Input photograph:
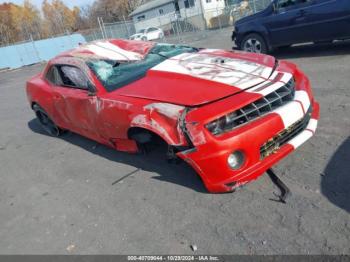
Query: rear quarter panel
{"type": "Point", "coordinates": [40, 92]}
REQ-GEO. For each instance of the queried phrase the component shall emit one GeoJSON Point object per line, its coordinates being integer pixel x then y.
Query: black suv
{"type": "Point", "coordinates": [287, 22]}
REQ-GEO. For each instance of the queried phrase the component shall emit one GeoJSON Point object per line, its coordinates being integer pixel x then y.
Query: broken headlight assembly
{"type": "Point", "coordinates": [223, 124]}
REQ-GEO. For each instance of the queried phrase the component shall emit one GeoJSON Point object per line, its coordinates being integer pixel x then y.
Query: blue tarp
{"type": "Point", "coordinates": [28, 53]}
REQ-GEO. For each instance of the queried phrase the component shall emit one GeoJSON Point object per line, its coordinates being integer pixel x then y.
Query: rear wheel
{"type": "Point", "coordinates": [254, 43]}
{"type": "Point", "coordinates": [144, 38]}
{"type": "Point", "coordinates": [45, 121]}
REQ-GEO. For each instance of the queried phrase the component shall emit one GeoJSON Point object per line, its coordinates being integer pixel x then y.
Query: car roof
{"type": "Point", "coordinates": [113, 49]}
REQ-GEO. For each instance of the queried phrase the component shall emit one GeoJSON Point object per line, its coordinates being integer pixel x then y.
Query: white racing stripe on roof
{"type": "Point", "coordinates": [238, 73]}
{"type": "Point", "coordinates": [110, 51]}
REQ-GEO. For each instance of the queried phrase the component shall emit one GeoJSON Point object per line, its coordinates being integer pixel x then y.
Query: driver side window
{"type": "Point", "coordinates": [68, 76]}
{"type": "Point", "coordinates": [286, 4]}
{"type": "Point", "coordinates": [73, 77]}
{"type": "Point", "coordinates": [53, 76]}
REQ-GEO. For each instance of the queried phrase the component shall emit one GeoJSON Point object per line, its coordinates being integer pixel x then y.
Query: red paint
{"type": "Point", "coordinates": [107, 117]}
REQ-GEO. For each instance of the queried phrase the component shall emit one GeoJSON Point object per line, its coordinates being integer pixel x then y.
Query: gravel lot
{"type": "Point", "coordinates": [58, 196]}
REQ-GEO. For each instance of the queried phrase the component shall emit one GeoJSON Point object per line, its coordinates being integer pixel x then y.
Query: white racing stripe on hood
{"type": "Point", "coordinates": [274, 74]}
{"type": "Point", "coordinates": [267, 90]}
{"type": "Point", "coordinates": [110, 51]}
{"type": "Point", "coordinates": [286, 77]}
{"type": "Point", "coordinates": [260, 89]}
{"type": "Point", "coordinates": [235, 72]}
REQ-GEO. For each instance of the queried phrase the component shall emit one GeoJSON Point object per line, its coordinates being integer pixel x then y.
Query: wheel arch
{"type": "Point", "coordinates": [33, 103]}
{"type": "Point", "coordinates": [137, 130]}
{"type": "Point", "coordinates": [146, 135]}
{"type": "Point", "coordinates": [256, 29]}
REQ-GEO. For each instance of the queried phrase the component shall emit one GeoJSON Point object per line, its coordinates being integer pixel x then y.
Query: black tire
{"type": "Point", "coordinates": [254, 43]}
{"type": "Point", "coordinates": [45, 121]}
{"type": "Point", "coordinates": [144, 38]}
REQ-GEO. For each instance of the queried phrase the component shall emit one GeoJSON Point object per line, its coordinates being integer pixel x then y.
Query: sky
{"type": "Point", "coordinates": [69, 3]}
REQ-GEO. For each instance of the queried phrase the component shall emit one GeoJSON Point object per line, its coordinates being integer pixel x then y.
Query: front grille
{"type": "Point", "coordinates": [272, 145]}
{"type": "Point", "coordinates": [253, 110]}
{"type": "Point", "coordinates": [266, 104]}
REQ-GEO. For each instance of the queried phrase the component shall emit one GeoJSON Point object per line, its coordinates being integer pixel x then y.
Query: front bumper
{"type": "Point", "coordinates": [236, 39]}
{"type": "Point", "coordinates": [233, 37]}
{"type": "Point", "coordinates": [209, 157]}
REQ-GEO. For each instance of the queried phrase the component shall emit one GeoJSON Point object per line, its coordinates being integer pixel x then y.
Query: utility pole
{"type": "Point", "coordinates": [126, 26]}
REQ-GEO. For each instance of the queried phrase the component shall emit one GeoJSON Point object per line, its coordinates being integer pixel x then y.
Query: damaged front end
{"type": "Point", "coordinates": [235, 140]}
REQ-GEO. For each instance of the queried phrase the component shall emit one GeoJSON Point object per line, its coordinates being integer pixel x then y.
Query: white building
{"type": "Point", "coordinates": [161, 13]}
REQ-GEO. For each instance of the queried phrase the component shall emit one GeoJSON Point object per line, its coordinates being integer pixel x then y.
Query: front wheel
{"type": "Point", "coordinates": [254, 43]}
{"type": "Point", "coordinates": [45, 121]}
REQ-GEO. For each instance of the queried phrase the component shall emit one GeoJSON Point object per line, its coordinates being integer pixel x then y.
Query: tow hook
{"type": "Point", "coordinates": [285, 192]}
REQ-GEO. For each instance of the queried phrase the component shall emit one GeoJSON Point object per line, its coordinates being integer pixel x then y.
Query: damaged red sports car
{"type": "Point", "coordinates": [230, 115]}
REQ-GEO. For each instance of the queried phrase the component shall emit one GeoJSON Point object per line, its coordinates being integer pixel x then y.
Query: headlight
{"type": "Point", "coordinates": [236, 160]}
{"type": "Point", "coordinates": [223, 123]}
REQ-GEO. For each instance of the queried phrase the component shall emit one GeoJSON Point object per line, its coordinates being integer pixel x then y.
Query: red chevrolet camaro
{"type": "Point", "coordinates": [230, 115]}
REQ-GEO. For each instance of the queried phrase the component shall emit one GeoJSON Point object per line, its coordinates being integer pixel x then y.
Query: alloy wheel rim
{"type": "Point", "coordinates": [252, 45]}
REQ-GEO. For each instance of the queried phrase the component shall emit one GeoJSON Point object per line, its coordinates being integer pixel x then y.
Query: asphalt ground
{"type": "Point", "coordinates": [67, 196]}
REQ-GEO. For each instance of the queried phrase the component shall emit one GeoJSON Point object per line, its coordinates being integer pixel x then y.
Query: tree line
{"type": "Point", "coordinates": [26, 21]}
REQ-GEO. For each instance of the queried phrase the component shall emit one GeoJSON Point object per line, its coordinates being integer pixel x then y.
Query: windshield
{"type": "Point", "coordinates": [116, 74]}
{"type": "Point", "coordinates": [141, 31]}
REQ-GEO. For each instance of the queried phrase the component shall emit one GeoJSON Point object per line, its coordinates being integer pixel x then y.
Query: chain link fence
{"type": "Point", "coordinates": [184, 26]}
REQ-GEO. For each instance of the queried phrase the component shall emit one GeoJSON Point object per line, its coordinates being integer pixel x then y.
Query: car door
{"type": "Point", "coordinates": [73, 106]}
{"type": "Point", "coordinates": [329, 20]}
{"type": "Point", "coordinates": [288, 24]}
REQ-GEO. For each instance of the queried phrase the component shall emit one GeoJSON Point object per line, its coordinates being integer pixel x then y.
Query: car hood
{"type": "Point", "coordinates": [193, 79]}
